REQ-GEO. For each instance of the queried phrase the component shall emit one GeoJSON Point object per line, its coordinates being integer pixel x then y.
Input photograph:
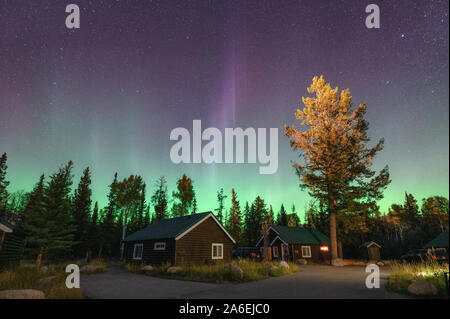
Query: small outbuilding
{"type": "Point", "coordinates": [191, 239]}
{"type": "Point", "coordinates": [439, 242]}
{"type": "Point", "coordinates": [370, 250]}
{"type": "Point", "coordinates": [12, 244]}
{"type": "Point", "coordinates": [293, 243]}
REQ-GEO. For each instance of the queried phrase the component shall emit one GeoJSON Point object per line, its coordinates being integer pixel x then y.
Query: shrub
{"type": "Point", "coordinates": [216, 273]}
{"type": "Point", "coordinates": [403, 275]}
{"type": "Point", "coordinates": [28, 276]}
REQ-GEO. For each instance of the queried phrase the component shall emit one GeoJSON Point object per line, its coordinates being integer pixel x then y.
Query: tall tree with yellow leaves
{"type": "Point", "coordinates": [335, 159]}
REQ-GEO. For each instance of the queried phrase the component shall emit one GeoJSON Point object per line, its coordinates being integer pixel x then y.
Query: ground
{"type": "Point", "coordinates": [313, 281]}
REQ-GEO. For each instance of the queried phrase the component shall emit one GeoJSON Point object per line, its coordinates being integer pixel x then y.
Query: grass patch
{"type": "Point", "coordinates": [403, 275]}
{"type": "Point", "coordinates": [28, 277]}
{"type": "Point", "coordinates": [93, 267]}
{"type": "Point", "coordinates": [217, 273]}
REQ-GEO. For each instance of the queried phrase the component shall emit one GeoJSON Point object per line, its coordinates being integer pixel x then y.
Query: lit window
{"type": "Point", "coordinates": [306, 251]}
{"type": "Point", "coordinates": [275, 252]}
{"type": "Point", "coordinates": [138, 250]}
{"type": "Point", "coordinates": [217, 251]}
{"type": "Point", "coordinates": [159, 246]}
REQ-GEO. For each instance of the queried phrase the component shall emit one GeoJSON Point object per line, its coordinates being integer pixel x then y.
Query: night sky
{"type": "Point", "coordinates": [108, 94]}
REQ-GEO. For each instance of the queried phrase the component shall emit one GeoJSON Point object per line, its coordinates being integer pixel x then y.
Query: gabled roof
{"type": "Point", "coordinates": [6, 226]}
{"type": "Point", "coordinates": [440, 241]}
{"type": "Point", "coordinates": [367, 244]}
{"type": "Point", "coordinates": [173, 228]}
{"type": "Point", "coordinates": [299, 235]}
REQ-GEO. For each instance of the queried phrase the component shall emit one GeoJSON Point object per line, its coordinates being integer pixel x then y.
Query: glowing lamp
{"type": "Point", "coordinates": [324, 248]}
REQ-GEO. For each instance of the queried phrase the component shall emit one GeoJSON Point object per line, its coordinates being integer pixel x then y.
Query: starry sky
{"type": "Point", "coordinates": [108, 94]}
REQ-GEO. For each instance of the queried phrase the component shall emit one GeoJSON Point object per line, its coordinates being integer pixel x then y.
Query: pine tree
{"type": "Point", "coordinates": [159, 199]}
{"type": "Point", "coordinates": [245, 233]}
{"type": "Point", "coordinates": [234, 226]}
{"type": "Point", "coordinates": [336, 161]}
{"type": "Point", "coordinates": [183, 196]}
{"type": "Point", "coordinates": [109, 232]}
{"type": "Point", "coordinates": [282, 217]}
{"type": "Point", "coordinates": [254, 221]}
{"type": "Point", "coordinates": [194, 205]}
{"type": "Point", "coordinates": [58, 206]}
{"type": "Point", "coordinates": [35, 221]}
{"type": "Point", "coordinates": [82, 211]}
{"type": "Point", "coordinates": [3, 184]}
{"type": "Point", "coordinates": [147, 217]}
{"type": "Point", "coordinates": [93, 233]}
{"type": "Point", "coordinates": [220, 198]}
{"type": "Point", "coordinates": [269, 218]}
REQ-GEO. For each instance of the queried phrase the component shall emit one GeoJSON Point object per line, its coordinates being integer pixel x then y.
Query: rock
{"type": "Point", "coordinates": [337, 262]}
{"type": "Point", "coordinates": [147, 268]}
{"type": "Point", "coordinates": [22, 294]}
{"type": "Point", "coordinates": [43, 269]}
{"type": "Point", "coordinates": [283, 264]}
{"type": "Point", "coordinates": [89, 268]}
{"type": "Point", "coordinates": [301, 261]}
{"type": "Point", "coordinates": [273, 269]}
{"type": "Point", "coordinates": [46, 280]}
{"type": "Point", "coordinates": [235, 270]}
{"type": "Point", "coordinates": [422, 288]}
{"type": "Point", "coordinates": [173, 270]}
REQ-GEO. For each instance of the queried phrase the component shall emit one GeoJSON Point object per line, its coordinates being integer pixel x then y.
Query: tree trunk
{"type": "Point", "coordinates": [100, 251]}
{"type": "Point", "coordinates": [333, 237]}
{"type": "Point", "coordinates": [335, 261]}
{"type": "Point", "coordinates": [266, 242]}
{"type": "Point", "coordinates": [124, 231]}
{"type": "Point", "coordinates": [38, 261]}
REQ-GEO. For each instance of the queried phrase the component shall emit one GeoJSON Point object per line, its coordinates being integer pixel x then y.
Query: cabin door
{"type": "Point", "coordinates": [284, 252]}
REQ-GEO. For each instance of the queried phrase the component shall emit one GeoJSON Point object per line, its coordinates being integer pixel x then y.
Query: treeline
{"type": "Point", "coordinates": [62, 222]}
{"type": "Point", "coordinates": [406, 226]}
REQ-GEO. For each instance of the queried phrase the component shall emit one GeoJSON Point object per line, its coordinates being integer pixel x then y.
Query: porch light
{"type": "Point", "coordinates": [324, 248]}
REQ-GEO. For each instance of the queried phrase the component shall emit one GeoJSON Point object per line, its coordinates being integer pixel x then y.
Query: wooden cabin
{"type": "Point", "coordinates": [192, 239]}
{"type": "Point", "coordinates": [293, 243]}
{"type": "Point", "coordinates": [370, 250]}
{"type": "Point", "coordinates": [12, 244]}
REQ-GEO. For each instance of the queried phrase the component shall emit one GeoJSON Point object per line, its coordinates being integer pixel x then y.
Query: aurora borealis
{"type": "Point", "coordinates": [108, 95]}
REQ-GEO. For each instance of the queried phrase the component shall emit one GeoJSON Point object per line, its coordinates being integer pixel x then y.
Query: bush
{"type": "Point", "coordinates": [99, 264]}
{"type": "Point", "coordinates": [403, 275]}
{"type": "Point", "coordinates": [216, 273]}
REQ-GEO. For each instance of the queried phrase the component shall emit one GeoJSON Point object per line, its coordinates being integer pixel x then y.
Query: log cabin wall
{"type": "Point", "coordinates": [150, 256]}
{"type": "Point", "coordinates": [196, 246]}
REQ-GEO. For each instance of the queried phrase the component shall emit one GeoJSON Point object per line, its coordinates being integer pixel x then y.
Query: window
{"type": "Point", "coordinates": [306, 251]}
{"type": "Point", "coordinates": [159, 246]}
{"type": "Point", "coordinates": [275, 251]}
{"type": "Point", "coordinates": [137, 252]}
{"type": "Point", "coordinates": [217, 251]}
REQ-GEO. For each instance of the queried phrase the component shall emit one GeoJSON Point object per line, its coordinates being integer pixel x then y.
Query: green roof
{"type": "Point", "coordinates": [440, 241]}
{"type": "Point", "coordinates": [301, 235]}
{"type": "Point", "coordinates": [167, 228]}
